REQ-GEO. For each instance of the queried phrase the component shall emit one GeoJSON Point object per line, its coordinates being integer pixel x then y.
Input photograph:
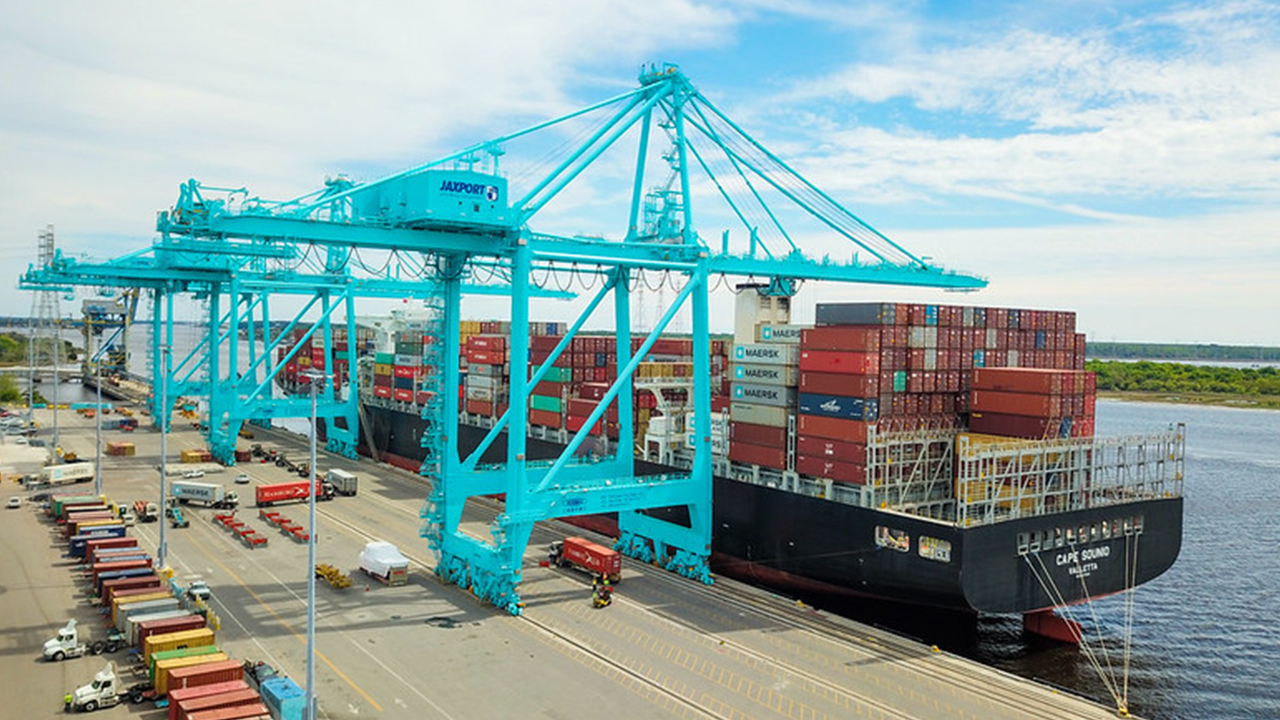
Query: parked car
{"type": "Point", "coordinates": [242, 479]}
{"type": "Point", "coordinates": [190, 474]}
{"type": "Point", "coordinates": [14, 502]}
{"type": "Point", "coordinates": [199, 590]}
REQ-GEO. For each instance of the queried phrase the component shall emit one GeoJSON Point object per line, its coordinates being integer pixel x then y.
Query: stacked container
{"type": "Point", "coordinates": [1033, 403]}
{"type": "Point", "coordinates": [488, 367]}
{"type": "Point", "coordinates": [762, 401]}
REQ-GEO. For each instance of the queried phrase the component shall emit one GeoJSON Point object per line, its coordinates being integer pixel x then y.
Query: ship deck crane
{"type": "Point", "coordinates": [457, 221]}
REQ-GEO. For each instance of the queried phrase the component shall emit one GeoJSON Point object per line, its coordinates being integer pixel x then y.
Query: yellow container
{"type": "Point", "coordinates": [116, 604]}
{"type": "Point", "coordinates": [164, 666]}
{"type": "Point", "coordinates": [173, 641]}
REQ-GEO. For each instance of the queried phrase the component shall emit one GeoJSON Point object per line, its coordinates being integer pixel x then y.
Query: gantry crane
{"type": "Point", "coordinates": [459, 221]}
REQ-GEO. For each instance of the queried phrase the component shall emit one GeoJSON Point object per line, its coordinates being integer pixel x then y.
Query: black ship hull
{"type": "Point", "coordinates": [800, 544]}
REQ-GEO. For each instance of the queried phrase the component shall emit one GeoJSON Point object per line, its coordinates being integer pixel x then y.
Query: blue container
{"type": "Point", "coordinates": [837, 406]}
{"type": "Point", "coordinates": [930, 314]}
{"type": "Point", "coordinates": [77, 543]}
{"type": "Point", "coordinates": [117, 574]}
{"type": "Point", "coordinates": [1041, 336]}
{"type": "Point", "coordinates": [979, 358]}
{"type": "Point", "coordinates": [283, 698]}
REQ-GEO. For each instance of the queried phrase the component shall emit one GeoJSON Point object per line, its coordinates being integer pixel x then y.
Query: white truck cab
{"type": "Point", "coordinates": [104, 691]}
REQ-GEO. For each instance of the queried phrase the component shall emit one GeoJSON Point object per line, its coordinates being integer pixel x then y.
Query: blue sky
{"type": "Point", "coordinates": [1117, 158]}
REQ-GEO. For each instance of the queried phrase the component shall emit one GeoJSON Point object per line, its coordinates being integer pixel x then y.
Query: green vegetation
{"type": "Point", "coordinates": [13, 349]}
{"type": "Point", "coordinates": [1175, 382]}
{"type": "Point", "coordinates": [1161, 351]}
{"type": "Point", "coordinates": [9, 390]}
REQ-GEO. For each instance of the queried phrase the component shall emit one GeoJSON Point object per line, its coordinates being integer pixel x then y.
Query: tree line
{"type": "Point", "coordinates": [1176, 377]}
{"type": "Point", "coordinates": [1175, 351]}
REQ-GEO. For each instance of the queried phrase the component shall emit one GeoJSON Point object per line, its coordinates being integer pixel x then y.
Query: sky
{"type": "Point", "coordinates": [1117, 158]}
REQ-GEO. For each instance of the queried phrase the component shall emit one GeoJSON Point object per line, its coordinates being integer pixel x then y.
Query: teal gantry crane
{"type": "Point", "coordinates": [458, 223]}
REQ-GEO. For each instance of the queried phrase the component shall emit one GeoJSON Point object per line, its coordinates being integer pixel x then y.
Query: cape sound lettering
{"type": "Point", "coordinates": [1080, 561]}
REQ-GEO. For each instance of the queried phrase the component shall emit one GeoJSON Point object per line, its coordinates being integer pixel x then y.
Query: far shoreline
{"type": "Point", "coordinates": [1247, 402]}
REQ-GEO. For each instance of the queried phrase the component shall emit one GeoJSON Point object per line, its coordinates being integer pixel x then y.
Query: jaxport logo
{"type": "Point", "coordinates": [490, 192]}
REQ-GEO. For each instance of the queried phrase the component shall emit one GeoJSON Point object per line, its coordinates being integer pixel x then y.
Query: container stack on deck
{"type": "Point", "coordinates": [487, 357]}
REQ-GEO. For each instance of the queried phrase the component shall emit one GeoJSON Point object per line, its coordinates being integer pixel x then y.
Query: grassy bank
{"type": "Point", "coordinates": [1260, 402]}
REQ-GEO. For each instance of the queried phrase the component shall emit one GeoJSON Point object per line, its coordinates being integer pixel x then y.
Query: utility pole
{"type": "Point", "coordinates": [317, 380]}
{"type": "Point", "coordinates": [164, 458]}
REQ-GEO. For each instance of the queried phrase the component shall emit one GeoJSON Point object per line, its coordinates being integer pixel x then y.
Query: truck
{"type": "Point", "coordinates": [145, 511]}
{"type": "Point", "coordinates": [266, 495]}
{"type": "Point", "coordinates": [75, 472]}
{"type": "Point", "coordinates": [208, 494]}
{"type": "Point", "coordinates": [343, 482]}
{"type": "Point", "coordinates": [384, 562]}
{"type": "Point", "coordinates": [105, 691]}
{"type": "Point", "coordinates": [67, 643]}
{"type": "Point", "coordinates": [581, 553]}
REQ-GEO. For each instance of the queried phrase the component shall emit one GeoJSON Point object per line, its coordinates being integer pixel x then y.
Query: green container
{"type": "Point", "coordinates": [900, 381]}
{"type": "Point", "coordinates": [542, 402]}
{"type": "Point", "coordinates": [179, 653]}
{"type": "Point", "coordinates": [558, 375]}
{"type": "Point", "coordinates": [383, 358]}
{"type": "Point", "coordinates": [60, 503]}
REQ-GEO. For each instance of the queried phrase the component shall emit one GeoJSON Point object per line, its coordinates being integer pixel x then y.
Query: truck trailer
{"type": "Point", "coordinates": [209, 494]}
{"type": "Point", "coordinates": [267, 495]}
{"type": "Point", "coordinates": [343, 482]}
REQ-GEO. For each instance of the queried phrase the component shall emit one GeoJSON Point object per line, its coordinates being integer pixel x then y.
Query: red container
{"type": "Point", "coordinates": [402, 395]}
{"type": "Point", "coordinates": [206, 674]}
{"type": "Point", "coordinates": [549, 389]}
{"type": "Point", "coordinates": [105, 567]}
{"type": "Point", "coordinates": [770, 457]}
{"type": "Point", "coordinates": [169, 625]}
{"type": "Point", "coordinates": [1029, 380]}
{"type": "Point", "coordinates": [105, 543]}
{"type": "Point", "coordinates": [849, 363]}
{"type": "Point", "coordinates": [182, 695]}
{"type": "Point", "coordinates": [593, 390]}
{"type": "Point", "coordinates": [383, 391]}
{"type": "Point", "coordinates": [253, 711]}
{"type": "Point", "coordinates": [115, 593]}
{"type": "Point", "coordinates": [480, 407]}
{"type": "Point", "coordinates": [113, 588]}
{"type": "Point", "coordinates": [404, 371]}
{"type": "Point", "coordinates": [1019, 426]}
{"type": "Point", "coordinates": [281, 492]}
{"type": "Point", "coordinates": [545, 418]}
{"type": "Point", "coordinates": [720, 403]}
{"type": "Point", "coordinates": [486, 357]}
{"type": "Point", "coordinates": [574, 423]}
{"type": "Point", "coordinates": [827, 449]}
{"type": "Point", "coordinates": [234, 698]}
{"type": "Point", "coordinates": [854, 431]}
{"type": "Point", "coordinates": [1009, 403]}
{"type": "Point", "coordinates": [765, 435]}
{"type": "Point", "coordinates": [499, 343]}
{"type": "Point", "coordinates": [860, 338]}
{"type": "Point", "coordinates": [847, 473]}
{"type": "Point", "coordinates": [835, 384]}
{"type": "Point", "coordinates": [595, 559]}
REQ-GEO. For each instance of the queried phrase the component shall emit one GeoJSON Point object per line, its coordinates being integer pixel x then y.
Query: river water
{"type": "Point", "coordinates": [1205, 643]}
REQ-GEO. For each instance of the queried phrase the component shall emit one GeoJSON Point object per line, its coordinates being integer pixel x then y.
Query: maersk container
{"type": "Point", "coordinates": [762, 354]}
{"type": "Point", "coordinates": [779, 395]}
{"type": "Point", "coordinates": [788, 375]}
{"type": "Point", "coordinates": [779, 334]}
{"type": "Point", "coordinates": [284, 698]}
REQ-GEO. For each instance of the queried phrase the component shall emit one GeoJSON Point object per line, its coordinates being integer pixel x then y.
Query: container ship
{"type": "Point", "coordinates": [935, 455]}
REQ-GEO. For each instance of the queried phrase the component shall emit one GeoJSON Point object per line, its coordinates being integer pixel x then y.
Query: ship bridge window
{"type": "Point", "coordinates": [893, 538]}
{"type": "Point", "coordinates": [934, 549]}
{"type": "Point", "coordinates": [1058, 539]}
{"type": "Point", "coordinates": [1071, 536]}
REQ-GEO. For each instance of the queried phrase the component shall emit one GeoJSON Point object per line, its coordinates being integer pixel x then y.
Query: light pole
{"type": "Point", "coordinates": [164, 433]}
{"type": "Point", "coordinates": [316, 381]}
{"type": "Point", "coordinates": [97, 468]}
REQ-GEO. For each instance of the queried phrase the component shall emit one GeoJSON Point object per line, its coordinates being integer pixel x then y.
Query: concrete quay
{"type": "Point", "coordinates": [667, 647]}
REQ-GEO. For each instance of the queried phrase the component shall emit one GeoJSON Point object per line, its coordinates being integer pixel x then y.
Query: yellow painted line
{"type": "Point", "coordinates": [289, 627]}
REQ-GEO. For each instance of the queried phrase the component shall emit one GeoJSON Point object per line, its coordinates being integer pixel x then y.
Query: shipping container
{"type": "Point", "coordinates": [751, 433]}
{"type": "Point", "coordinates": [764, 394]}
{"type": "Point", "coordinates": [192, 651]}
{"type": "Point", "coordinates": [206, 674]}
{"type": "Point", "coordinates": [169, 626]}
{"type": "Point", "coordinates": [111, 595]}
{"type": "Point", "coordinates": [759, 414]}
{"type": "Point", "coordinates": [854, 431]}
{"type": "Point", "coordinates": [771, 457]}
{"type": "Point", "coordinates": [1019, 426]}
{"type": "Point", "coordinates": [175, 641]}
{"type": "Point", "coordinates": [120, 605]}
{"type": "Point", "coordinates": [847, 408]}
{"type": "Point", "coordinates": [234, 698]}
{"type": "Point", "coordinates": [595, 559]}
{"type": "Point", "coordinates": [857, 314]}
{"type": "Point", "coordinates": [826, 448]}
{"type": "Point", "coordinates": [77, 543]}
{"type": "Point", "coordinates": [764, 354]}
{"type": "Point", "coordinates": [133, 623]}
{"type": "Point", "coordinates": [845, 363]}
{"type": "Point", "coordinates": [143, 608]}
{"type": "Point", "coordinates": [779, 334]}
{"type": "Point", "coordinates": [107, 542]}
{"type": "Point", "coordinates": [178, 696]}
{"type": "Point", "coordinates": [837, 384]}
{"type": "Point", "coordinates": [848, 473]}
{"type": "Point", "coordinates": [788, 375]}
{"type": "Point", "coordinates": [856, 338]}
{"type": "Point", "coordinates": [252, 711]}
{"type": "Point", "coordinates": [164, 668]}
{"type": "Point", "coordinates": [1011, 403]}
{"type": "Point", "coordinates": [284, 698]}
